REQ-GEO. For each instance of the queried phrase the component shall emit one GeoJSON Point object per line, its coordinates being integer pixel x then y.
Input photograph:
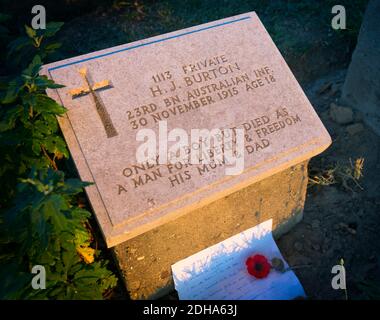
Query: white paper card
{"type": "Point", "coordinates": [219, 272]}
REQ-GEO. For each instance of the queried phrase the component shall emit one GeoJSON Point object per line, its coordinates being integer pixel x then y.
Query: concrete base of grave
{"type": "Point", "coordinates": [145, 261]}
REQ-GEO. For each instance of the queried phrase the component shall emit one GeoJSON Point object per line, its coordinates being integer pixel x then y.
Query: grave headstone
{"type": "Point", "coordinates": [226, 74]}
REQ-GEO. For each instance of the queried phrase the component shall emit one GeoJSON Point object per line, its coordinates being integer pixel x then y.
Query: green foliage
{"type": "Point", "coordinates": [44, 227]}
{"type": "Point", "coordinates": [28, 127]}
{"type": "Point", "coordinates": [27, 46]}
{"type": "Point", "coordinates": [40, 222]}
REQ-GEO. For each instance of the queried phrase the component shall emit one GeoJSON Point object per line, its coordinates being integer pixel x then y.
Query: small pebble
{"type": "Point", "coordinates": [354, 129]}
{"type": "Point", "coordinates": [341, 115]}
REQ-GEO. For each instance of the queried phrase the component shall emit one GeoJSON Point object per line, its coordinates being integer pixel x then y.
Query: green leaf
{"type": "Point", "coordinates": [30, 31]}
{"type": "Point", "coordinates": [12, 91]}
{"type": "Point", "coordinates": [9, 118]}
{"type": "Point", "coordinates": [43, 82]}
{"type": "Point", "coordinates": [53, 46]}
{"type": "Point", "coordinates": [13, 281]}
{"type": "Point", "coordinates": [36, 147]}
{"type": "Point", "coordinates": [55, 145]}
{"type": "Point", "coordinates": [82, 237]}
{"type": "Point", "coordinates": [48, 105]}
{"type": "Point", "coordinates": [52, 28]}
{"type": "Point", "coordinates": [70, 258]}
{"type": "Point", "coordinates": [15, 46]}
{"type": "Point", "coordinates": [74, 186]}
{"type": "Point", "coordinates": [34, 67]}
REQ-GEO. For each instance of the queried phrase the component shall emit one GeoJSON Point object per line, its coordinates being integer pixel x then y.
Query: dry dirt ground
{"type": "Point", "coordinates": [339, 221]}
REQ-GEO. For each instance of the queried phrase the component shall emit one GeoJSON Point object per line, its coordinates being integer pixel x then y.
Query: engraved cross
{"type": "Point", "coordinates": [100, 107]}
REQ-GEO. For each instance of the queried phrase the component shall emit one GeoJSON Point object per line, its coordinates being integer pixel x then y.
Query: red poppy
{"type": "Point", "coordinates": [258, 266]}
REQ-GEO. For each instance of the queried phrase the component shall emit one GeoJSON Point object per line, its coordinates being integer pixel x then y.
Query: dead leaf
{"type": "Point", "coordinates": [87, 254]}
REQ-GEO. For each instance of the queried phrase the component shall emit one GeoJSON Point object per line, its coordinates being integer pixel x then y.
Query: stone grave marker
{"type": "Point", "coordinates": [223, 74]}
